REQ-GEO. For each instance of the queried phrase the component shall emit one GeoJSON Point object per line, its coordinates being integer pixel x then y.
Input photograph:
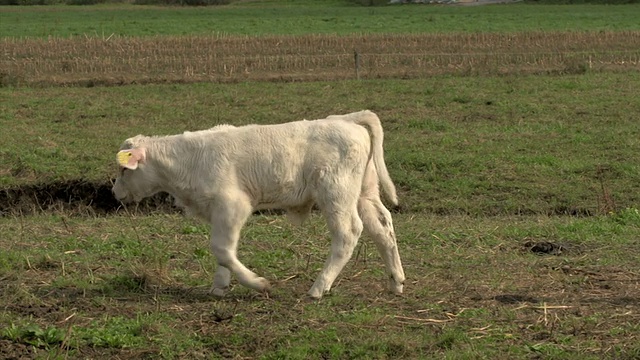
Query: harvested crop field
{"type": "Point", "coordinates": [224, 58]}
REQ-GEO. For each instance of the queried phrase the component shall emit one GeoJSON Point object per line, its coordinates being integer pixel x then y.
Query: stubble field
{"type": "Point", "coordinates": [515, 155]}
{"type": "Point", "coordinates": [92, 61]}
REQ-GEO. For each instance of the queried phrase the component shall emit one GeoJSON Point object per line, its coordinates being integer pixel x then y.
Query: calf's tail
{"type": "Point", "coordinates": [370, 119]}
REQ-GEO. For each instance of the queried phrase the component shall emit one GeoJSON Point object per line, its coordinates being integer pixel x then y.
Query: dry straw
{"type": "Point", "coordinates": [114, 59]}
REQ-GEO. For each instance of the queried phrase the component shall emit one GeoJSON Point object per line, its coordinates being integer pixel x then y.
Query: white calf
{"type": "Point", "coordinates": [225, 173]}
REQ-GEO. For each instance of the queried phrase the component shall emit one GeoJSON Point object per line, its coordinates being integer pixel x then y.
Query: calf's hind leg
{"type": "Point", "coordinates": [228, 219]}
{"type": "Point", "coordinates": [379, 226]}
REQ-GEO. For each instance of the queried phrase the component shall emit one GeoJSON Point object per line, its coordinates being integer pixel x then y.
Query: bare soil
{"type": "Point", "coordinates": [73, 197]}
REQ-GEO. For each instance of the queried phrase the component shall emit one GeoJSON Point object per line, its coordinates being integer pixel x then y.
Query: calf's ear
{"type": "Point", "coordinates": [131, 158]}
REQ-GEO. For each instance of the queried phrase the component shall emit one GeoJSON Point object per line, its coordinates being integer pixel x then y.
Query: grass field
{"type": "Point", "coordinates": [121, 287]}
{"type": "Point", "coordinates": [304, 17]}
{"type": "Point", "coordinates": [518, 175]}
{"type": "Point", "coordinates": [489, 145]}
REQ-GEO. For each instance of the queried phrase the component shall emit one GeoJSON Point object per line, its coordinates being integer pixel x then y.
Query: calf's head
{"type": "Point", "coordinates": [136, 178]}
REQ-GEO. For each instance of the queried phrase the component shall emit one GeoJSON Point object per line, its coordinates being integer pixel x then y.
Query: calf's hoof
{"type": "Point", "coordinates": [395, 287]}
{"type": "Point", "coordinates": [219, 292]}
{"type": "Point", "coordinates": [261, 285]}
{"type": "Point", "coordinates": [316, 293]}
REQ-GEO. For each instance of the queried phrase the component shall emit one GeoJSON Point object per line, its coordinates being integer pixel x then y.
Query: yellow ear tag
{"type": "Point", "coordinates": [123, 158]}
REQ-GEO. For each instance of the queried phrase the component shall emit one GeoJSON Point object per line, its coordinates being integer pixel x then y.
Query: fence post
{"type": "Point", "coordinates": [356, 59]}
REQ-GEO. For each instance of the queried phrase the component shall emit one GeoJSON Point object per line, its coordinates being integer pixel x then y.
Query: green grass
{"type": "Point", "coordinates": [454, 145]}
{"type": "Point", "coordinates": [486, 167]}
{"type": "Point", "coordinates": [294, 18]}
{"type": "Point", "coordinates": [120, 286]}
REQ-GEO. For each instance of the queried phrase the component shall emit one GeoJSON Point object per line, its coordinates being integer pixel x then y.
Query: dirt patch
{"type": "Point", "coordinates": [80, 197]}
{"type": "Point", "coordinates": [515, 299]}
{"type": "Point", "coordinates": [544, 247]}
{"type": "Point", "coordinates": [76, 197]}
{"type": "Point", "coordinates": [33, 310]}
{"type": "Point", "coordinates": [10, 350]}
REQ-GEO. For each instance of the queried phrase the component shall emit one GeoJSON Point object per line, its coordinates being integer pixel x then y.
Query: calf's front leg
{"type": "Point", "coordinates": [345, 228]}
{"type": "Point", "coordinates": [228, 218]}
